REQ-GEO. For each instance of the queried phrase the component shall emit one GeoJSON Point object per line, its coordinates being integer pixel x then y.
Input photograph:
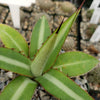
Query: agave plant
{"type": "Point", "coordinates": [40, 63]}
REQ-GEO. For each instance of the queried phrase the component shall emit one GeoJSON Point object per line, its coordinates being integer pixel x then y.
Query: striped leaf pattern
{"type": "Point", "coordinates": [75, 63]}
{"type": "Point", "coordinates": [62, 34]}
{"type": "Point", "coordinates": [43, 60]}
{"type": "Point", "coordinates": [62, 87]}
{"type": "Point", "coordinates": [15, 62]}
{"type": "Point", "coordinates": [38, 64]}
{"type": "Point", "coordinates": [40, 33]}
{"type": "Point", "coordinates": [21, 88]}
{"type": "Point", "coordinates": [13, 39]}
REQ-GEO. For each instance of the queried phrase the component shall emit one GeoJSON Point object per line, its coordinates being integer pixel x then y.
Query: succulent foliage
{"type": "Point", "coordinates": [41, 63]}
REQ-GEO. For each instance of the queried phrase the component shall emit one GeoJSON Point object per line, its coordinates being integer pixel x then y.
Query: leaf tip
{"type": "Point", "coordinates": [81, 5]}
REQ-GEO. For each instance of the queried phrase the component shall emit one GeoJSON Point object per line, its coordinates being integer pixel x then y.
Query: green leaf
{"type": "Point", "coordinates": [13, 39]}
{"type": "Point", "coordinates": [42, 56]}
{"type": "Point", "coordinates": [75, 63]}
{"type": "Point", "coordinates": [15, 62]}
{"type": "Point", "coordinates": [49, 51]}
{"type": "Point", "coordinates": [57, 84]}
{"type": "Point", "coordinates": [40, 33]}
{"type": "Point", "coordinates": [21, 88]}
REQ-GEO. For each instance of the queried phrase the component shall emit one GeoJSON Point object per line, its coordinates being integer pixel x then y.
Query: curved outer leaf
{"type": "Point", "coordinates": [49, 51]}
{"type": "Point", "coordinates": [40, 33]}
{"type": "Point", "coordinates": [75, 63]}
{"type": "Point", "coordinates": [21, 88]}
{"type": "Point", "coordinates": [15, 62]}
{"type": "Point", "coordinates": [62, 87]}
{"type": "Point", "coordinates": [13, 39]}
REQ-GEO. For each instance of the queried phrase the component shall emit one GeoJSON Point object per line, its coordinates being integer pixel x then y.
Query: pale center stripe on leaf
{"type": "Point", "coordinates": [75, 63]}
{"type": "Point", "coordinates": [13, 41]}
{"type": "Point", "coordinates": [63, 87]}
{"type": "Point", "coordinates": [20, 90]}
{"type": "Point", "coordinates": [41, 34]}
{"type": "Point", "coordinates": [14, 62]}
